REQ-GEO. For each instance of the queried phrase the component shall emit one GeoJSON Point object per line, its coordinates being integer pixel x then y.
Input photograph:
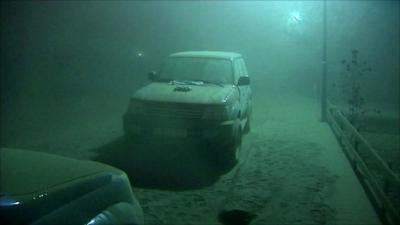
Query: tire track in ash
{"type": "Point", "coordinates": [279, 181]}
{"type": "Point", "coordinates": [243, 156]}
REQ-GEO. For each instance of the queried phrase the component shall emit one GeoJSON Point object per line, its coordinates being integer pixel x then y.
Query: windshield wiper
{"type": "Point", "coordinates": [182, 82]}
{"type": "Point", "coordinates": [190, 82]}
{"type": "Point", "coordinates": [164, 79]}
{"type": "Point", "coordinates": [210, 82]}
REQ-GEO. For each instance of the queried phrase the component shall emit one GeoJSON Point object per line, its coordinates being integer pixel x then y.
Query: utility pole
{"type": "Point", "coordinates": [323, 85]}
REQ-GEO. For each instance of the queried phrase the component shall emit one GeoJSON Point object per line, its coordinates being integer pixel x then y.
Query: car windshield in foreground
{"type": "Point", "coordinates": [195, 70]}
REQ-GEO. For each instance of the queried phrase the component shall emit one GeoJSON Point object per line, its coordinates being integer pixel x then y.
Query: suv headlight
{"type": "Point", "coordinates": [216, 113]}
{"type": "Point", "coordinates": [135, 106]}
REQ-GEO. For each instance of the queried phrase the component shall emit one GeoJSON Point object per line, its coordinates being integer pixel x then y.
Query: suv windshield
{"type": "Point", "coordinates": [210, 70]}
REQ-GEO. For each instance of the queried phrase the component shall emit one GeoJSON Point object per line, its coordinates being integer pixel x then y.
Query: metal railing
{"type": "Point", "coordinates": [378, 179]}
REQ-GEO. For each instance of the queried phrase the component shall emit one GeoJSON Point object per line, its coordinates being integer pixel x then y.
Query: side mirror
{"type": "Point", "coordinates": [152, 75]}
{"type": "Point", "coordinates": [243, 81]}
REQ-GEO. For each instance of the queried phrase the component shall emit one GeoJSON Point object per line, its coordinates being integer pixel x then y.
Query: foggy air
{"type": "Point", "coordinates": [199, 112]}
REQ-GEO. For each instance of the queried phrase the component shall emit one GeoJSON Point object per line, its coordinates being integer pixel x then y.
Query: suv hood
{"type": "Point", "coordinates": [25, 172]}
{"type": "Point", "coordinates": [197, 94]}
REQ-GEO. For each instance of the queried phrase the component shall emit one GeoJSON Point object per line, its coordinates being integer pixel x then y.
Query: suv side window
{"type": "Point", "coordinates": [243, 67]}
{"type": "Point", "coordinates": [238, 70]}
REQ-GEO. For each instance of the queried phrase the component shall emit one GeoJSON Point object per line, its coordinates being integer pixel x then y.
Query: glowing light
{"type": "Point", "coordinates": [92, 221]}
{"type": "Point", "coordinates": [100, 218]}
{"type": "Point", "coordinates": [296, 24]}
{"type": "Point", "coordinates": [139, 54]}
{"type": "Point", "coordinates": [295, 18]}
{"type": "Point", "coordinates": [7, 201]}
{"type": "Point", "coordinates": [41, 195]}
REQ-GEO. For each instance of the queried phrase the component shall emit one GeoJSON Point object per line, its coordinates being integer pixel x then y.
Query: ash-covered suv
{"type": "Point", "coordinates": [201, 94]}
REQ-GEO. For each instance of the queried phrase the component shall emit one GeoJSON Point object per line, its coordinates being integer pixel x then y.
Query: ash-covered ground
{"type": "Point", "coordinates": [291, 169]}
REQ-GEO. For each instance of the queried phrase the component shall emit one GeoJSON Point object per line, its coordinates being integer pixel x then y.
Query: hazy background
{"type": "Point", "coordinates": [64, 64]}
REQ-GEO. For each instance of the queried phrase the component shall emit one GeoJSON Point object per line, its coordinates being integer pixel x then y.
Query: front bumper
{"type": "Point", "coordinates": [145, 127]}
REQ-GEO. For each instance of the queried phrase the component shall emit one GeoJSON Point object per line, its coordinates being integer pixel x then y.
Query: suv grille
{"type": "Point", "coordinates": [174, 110]}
